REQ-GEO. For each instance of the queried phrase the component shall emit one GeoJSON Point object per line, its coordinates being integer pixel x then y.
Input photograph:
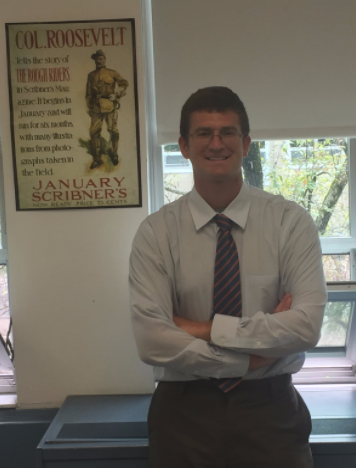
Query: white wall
{"type": "Point", "coordinates": [68, 269]}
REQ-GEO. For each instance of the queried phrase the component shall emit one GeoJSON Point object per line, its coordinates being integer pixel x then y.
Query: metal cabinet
{"type": "Point", "coordinates": [103, 431]}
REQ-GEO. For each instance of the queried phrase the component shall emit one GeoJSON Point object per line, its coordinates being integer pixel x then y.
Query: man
{"type": "Point", "coordinates": [103, 102]}
{"type": "Point", "coordinates": [227, 292]}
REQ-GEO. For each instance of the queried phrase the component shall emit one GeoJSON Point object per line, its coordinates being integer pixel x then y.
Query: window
{"type": "Point", "coordinates": [319, 174]}
{"type": "Point", "coordinates": [7, 384]}
{"type": "Point", "coordinates": [177, 173]}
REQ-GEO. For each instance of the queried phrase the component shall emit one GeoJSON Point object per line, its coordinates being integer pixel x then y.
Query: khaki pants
{"type": "Point", "coordinates": [97, 119]}
{"type": "Point", "coordinates": [259, 424]}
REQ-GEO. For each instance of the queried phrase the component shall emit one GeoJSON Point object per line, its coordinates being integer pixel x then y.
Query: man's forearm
{"type": "Point", "coordinates": [202, 330]}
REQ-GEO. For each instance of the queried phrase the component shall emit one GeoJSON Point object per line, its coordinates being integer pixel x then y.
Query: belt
{"type": "Point", "coordinates": [281, 380]}
{"type": "Point", "coordinates": [257, 388]}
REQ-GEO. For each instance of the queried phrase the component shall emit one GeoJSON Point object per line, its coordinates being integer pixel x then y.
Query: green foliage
{"type": "Point", "coordinates": [307, 176]}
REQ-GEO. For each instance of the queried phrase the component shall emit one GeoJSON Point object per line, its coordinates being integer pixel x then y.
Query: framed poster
{"type": "Point", "coordinates": [74, 114]}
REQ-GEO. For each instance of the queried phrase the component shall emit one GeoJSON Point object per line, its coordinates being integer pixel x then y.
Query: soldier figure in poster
{"type": "Point", "coordinates": [103, 103]}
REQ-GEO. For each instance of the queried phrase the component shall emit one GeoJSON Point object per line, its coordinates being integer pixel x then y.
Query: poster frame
{"type": "Point", "coordinates": [136, 154]}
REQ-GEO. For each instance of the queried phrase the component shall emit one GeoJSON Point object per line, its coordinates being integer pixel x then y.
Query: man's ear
{"type": "Point", "coordinates": [246, 144]}
{"type": "Point", "coordinates": [183, 145]}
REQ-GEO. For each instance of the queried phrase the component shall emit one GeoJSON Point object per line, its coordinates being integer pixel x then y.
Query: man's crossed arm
{"type": "Point", "coordinates": [202, 330]}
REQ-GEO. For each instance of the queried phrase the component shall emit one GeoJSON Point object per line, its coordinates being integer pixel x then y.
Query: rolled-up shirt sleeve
{"type": "Point", "coordinates": [159, 341]}
{"type": "Point", "coordinates": [301, 274]}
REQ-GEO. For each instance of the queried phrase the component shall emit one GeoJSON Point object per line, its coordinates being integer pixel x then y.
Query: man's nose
{"type": "Point", "coordinates": [215, 141]}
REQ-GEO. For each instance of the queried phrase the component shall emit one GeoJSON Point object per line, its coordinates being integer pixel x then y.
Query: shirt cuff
{"type": "Point", "coordinates": [222, 362]}
{"type": "Point", "coordinates": [223, 330]}
{"type": "Point", "coordinates": [228, 332]}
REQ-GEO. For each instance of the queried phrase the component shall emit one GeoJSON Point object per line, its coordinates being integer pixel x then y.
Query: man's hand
{"type": "Point", "coordinates": [200, 330]}
{"type": "Point", "coordinates": [284, 305]}
{"type": "Point", "coordinates": [258, 361]}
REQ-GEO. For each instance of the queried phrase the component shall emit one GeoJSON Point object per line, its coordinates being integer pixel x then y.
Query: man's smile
{"type": "Point", "coordinates": [216, 158]}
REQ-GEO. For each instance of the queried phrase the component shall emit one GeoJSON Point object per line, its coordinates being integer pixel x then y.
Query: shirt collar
{"type": "Point", "coordinates": [238, 209]}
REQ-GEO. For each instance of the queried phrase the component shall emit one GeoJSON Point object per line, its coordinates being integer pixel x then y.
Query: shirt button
{"type": "Point", "coordinates": [222, 341]}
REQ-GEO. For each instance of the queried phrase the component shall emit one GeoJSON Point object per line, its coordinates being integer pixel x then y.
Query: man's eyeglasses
{"type": "Point", "coordinates": [227, 135]}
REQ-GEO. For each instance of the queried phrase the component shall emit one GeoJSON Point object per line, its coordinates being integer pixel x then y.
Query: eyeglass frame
{"type": "Point", "coordinates": [218, 134]}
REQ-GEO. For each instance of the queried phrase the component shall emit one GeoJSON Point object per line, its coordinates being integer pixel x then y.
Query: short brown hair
{"type": "Point", "coordinates": [213, 98]}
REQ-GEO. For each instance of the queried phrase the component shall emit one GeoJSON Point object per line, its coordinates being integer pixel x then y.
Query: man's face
{"type": "Point", "coordinates": [215, 160]}
{"type": "Point", "coordinates": [100, 61]}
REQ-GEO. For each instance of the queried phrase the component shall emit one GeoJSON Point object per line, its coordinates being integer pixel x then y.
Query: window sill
{"type": "Point", "coordinates": [8, 400]}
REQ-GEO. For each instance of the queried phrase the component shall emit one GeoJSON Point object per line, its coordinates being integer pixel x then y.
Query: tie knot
{"type": "Point", "coordinates": [223, 222]}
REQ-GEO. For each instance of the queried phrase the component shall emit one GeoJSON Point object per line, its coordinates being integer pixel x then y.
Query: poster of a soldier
{"type": "Point", "coordinates": [74, 114]}
{"type": "Point", "coordinates": [103, 102]}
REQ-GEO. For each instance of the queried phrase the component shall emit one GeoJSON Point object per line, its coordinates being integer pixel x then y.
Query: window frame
{"type": "Point", "coordinates": [346, 245]}
{"type": "Point", "coordinates": [336, 365]}
{"type": "Point", "coordinates": [331, 360]}
{"type": "Point", "coordinates": [341, 291]}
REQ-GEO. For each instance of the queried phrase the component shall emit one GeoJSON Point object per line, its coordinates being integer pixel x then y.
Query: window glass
{"type": "Point", "coordinates": [4, 302]}
{"type": "Point", "coordinates": [313, 173]}
{"type": "Point", "coordinates": [178, 173]}
{"type": "Point", "coordinates": [5, 321]}
{"type": "Point", "coordinates": [337, 267]}
{"type": "Point", "coordinates": [336, 324]}
{"type": "Point", "coordinates": [6, 367]}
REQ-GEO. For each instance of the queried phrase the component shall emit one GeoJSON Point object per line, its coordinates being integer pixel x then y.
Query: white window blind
{"type": "Point", "coordinates": [291, 63]}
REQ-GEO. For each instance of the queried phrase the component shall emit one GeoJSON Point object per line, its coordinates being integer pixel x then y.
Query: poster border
{"type": "Point", "coordinates": [137, 120]}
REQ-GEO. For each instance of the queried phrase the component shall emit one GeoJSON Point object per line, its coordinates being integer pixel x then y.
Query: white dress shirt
{"type": "Point", "coordinates": [172, 272]}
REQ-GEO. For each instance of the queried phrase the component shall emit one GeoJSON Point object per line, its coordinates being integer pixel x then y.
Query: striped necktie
{"type": "Point", "coordinates": [227, 290]}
